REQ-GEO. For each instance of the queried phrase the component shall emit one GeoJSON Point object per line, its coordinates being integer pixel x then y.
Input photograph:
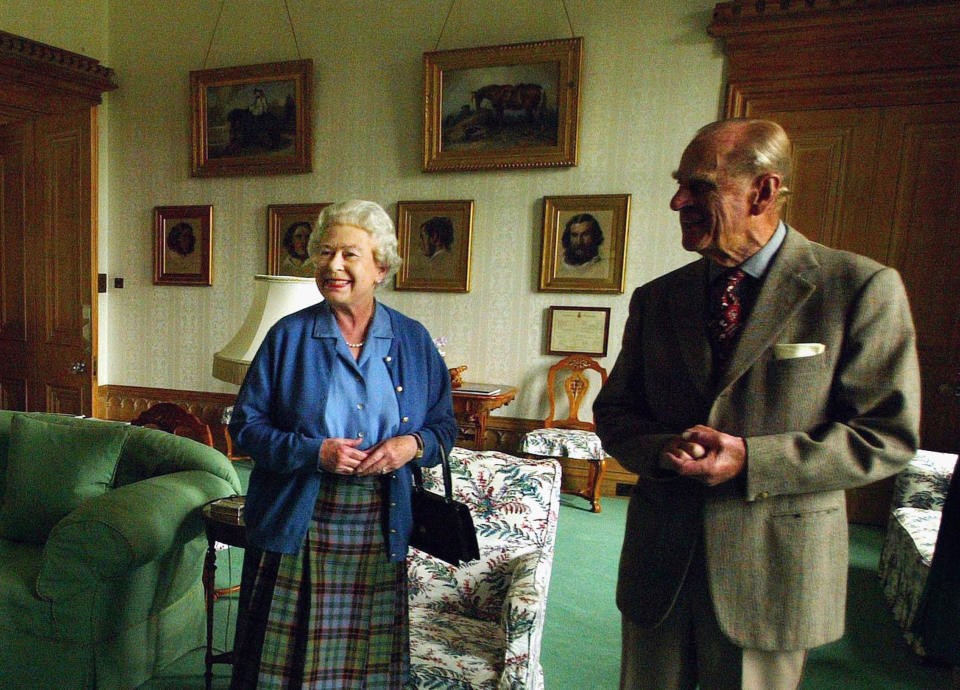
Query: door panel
{"type": "Point", "coordinates": [62, 277]}
{"type": "Point", "coordinates": [16, 361]}
{"type": "Point", "coordinates": [921, 180]}
{"type": "Point", "coordinates": [834, 172]}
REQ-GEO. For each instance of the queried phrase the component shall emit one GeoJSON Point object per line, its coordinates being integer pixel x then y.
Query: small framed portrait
{"type": "Point", "coordinates": [288, 229]}
{"type": "Point", "coordinates": [183, 236]}
{"type": "Point", "coordinates": [584, 243]}
{"type": "Point", "coordinates": [508, 106]}
{"type": "Point", "coordinates": [252, 120]}
{"type": "Point", "coordinates": [578, 331]}
{"type": "Point", "coordinates": [434, 239]}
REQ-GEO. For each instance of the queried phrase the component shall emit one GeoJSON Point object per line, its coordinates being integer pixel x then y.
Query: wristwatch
{"type": "Point", "coordinates": [419, 439]}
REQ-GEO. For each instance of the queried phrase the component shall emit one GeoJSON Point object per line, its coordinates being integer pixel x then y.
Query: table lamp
{"type": "Point", "coordinates": [273, 297]}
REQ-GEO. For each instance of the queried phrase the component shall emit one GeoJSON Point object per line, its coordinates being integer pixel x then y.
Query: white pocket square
{"type": "Point", "coordinates": [795, 350]}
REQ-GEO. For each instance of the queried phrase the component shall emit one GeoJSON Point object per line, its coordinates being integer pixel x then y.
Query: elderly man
{"type": "Point", "coordinates": [754, 385]}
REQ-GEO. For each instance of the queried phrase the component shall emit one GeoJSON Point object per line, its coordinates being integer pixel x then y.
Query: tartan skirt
{"type": "Point", "coordinates": [334, 614]}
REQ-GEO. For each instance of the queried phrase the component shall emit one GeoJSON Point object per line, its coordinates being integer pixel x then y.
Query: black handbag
{"type": "Point", "coordinates": [442, 527]}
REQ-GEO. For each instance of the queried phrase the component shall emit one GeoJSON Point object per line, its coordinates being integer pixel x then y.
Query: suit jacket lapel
{"type": "Point", "coordinates": [688, 320]}
{"type": "Point", "coordinates": [785, 288]}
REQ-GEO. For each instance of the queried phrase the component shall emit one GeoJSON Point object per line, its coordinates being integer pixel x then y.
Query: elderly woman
{"type": "Point", "coordinates": [340, 398]}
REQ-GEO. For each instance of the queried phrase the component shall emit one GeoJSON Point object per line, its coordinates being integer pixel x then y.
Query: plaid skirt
{"type": "Point", "coordinates": [334, 614]}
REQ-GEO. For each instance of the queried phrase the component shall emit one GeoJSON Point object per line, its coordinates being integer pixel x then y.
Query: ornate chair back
{"type": "Point", "coordinates": [571, 438]}
{"type": "Point", "coordinates": [175, 420]}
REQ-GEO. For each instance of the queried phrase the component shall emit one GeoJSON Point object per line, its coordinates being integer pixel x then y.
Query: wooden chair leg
{"type": "Point", "coordinates": [591, 491]}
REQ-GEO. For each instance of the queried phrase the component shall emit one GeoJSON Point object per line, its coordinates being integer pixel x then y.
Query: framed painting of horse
{"type": "Point", "coordinates": [502, 107]}
{"type": "Point", "coordinates": [252, 120]}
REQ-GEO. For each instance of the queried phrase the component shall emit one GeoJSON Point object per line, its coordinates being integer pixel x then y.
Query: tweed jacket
{"type": "Point", "coordinates": [775, 537]}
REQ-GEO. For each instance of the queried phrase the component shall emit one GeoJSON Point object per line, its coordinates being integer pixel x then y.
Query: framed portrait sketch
{"type": "Point", "coordinates": [509, 106]}
{"type": "Point", "coordinates": [584, 243]}
{"type": "Point", "coordinates": [578, 331]}
{"type": "Point", "coordinates": [434, 239]}
{"type": "Point", "coordinates": [288, 229]}
{"type": "Point", "coordinates": [182, 239]}
{"type": "Point", "coordinates": [252, 120]}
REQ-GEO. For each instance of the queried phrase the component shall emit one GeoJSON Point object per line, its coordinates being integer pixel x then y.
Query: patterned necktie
{"type": "Point", "coordinates": [727, 314]}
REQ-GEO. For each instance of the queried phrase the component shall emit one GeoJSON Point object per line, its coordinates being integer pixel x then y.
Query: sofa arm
{"type": "Point", "coordinates": [524, 613]}
{"type": "Point", "coordinates": [125, 528]}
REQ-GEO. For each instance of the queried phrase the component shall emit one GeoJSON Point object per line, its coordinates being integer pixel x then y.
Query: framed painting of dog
{"type": "Point", "coordinates": [252, 120]}
{"type": "Point", "coordinates": [502, 107]}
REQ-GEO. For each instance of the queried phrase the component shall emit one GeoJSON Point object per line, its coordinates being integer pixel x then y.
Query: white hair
{"type": "Point", "coordinates": [367, 216]}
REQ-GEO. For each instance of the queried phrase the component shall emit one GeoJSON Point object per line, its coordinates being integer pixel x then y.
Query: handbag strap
{"type": "Point", "coordinates": [447, 478]}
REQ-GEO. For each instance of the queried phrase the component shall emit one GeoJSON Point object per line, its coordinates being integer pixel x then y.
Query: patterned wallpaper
{"type": "Point", "coordinates": [651, 76]}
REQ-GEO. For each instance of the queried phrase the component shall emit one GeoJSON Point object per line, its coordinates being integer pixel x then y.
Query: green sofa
{"type": "Point", "coordinates": [101, 549]}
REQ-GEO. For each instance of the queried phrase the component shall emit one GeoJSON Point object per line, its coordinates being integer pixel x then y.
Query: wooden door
{"type": "Point", "coordinates": [47, 226]}
{"type": "Point", "coordinates": [883, 182]}
{"type": "Point", "coordinates": [919, 198]}
{"type": "Point", "coordinates": [46, 298]}
{"type": "Point", "coordinates": [58, 274]}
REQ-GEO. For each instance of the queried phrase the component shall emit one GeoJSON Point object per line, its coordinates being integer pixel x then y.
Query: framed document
{"type": "Point", "coordinates": [578, 331]}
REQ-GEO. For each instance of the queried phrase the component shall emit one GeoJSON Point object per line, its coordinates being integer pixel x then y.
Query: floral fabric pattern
{"type": "Point", "coordinates": [918, 497]}
{"type": "Point", "coordinates": [563, 443]}
{"type": "Point", "coordinates": [481, 625]}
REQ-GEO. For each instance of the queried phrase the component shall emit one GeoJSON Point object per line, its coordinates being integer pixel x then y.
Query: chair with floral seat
{"type": "Point", "coordinates": [571, 438]}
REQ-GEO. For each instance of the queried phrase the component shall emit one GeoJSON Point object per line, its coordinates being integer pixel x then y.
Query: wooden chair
{"type": "Point", "coordinates": [571, 438]}
{"type": "Point", "coordinates": [175, 420]}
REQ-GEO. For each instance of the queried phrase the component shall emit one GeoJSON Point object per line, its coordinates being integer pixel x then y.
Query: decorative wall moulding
{"type": "Point", "coordinates": [78, 74]}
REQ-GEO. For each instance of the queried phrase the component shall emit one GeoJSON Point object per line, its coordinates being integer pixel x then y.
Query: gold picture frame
{"type": "Point", "coordinates": [578, 331]}
{"type": "Point", "coordinates": [584, 243]}
{"type": "Point", "coordinates": [252, 119]}
{"type": "Point", "coordinates": [508, 106]}
{"type": "Point", "coordinates": [435, 239]}
{"type": "Point", "coordinates": [182, 242]}
{"type": "Point", "coordinates": [288, 228]}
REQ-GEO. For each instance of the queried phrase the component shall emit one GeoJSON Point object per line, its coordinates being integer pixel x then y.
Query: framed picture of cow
{"type": "Point", "coordinates": [252, 120]}
{"type": "Point", "coordinates": [502, 107]}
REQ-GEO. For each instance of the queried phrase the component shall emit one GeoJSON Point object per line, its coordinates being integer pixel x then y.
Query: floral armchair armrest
{"type": "Point", "coordinates": [923, 483]}
{"type": "Point", "coordinates": [524, 612]}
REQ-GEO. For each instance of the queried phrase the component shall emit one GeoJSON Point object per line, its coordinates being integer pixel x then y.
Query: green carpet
{"type": "Point", "coordinates": [581, 641]}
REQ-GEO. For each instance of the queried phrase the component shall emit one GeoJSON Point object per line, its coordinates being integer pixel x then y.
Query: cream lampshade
{"type": "Point", "coordinates": [273, 297]}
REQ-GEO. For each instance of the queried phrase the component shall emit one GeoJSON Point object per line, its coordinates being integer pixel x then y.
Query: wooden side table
{"type": "Point", "coordinates": [229, 532]}
{"type": "Point", "coordinates": [472, 410]}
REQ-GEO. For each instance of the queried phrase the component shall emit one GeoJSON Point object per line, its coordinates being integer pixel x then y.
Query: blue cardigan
{"type": "Point", "coordinates": [278, 420]}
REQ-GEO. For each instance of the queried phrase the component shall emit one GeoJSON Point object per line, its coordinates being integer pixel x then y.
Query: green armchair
{"type": "Point", "coordinates": [101, 549]}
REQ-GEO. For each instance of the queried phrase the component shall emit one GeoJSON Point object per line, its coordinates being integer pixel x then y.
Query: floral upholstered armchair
{"type": "Point", "coordinates": [918, 498]}
{"type": "Point", "coordinates": [480, 625]}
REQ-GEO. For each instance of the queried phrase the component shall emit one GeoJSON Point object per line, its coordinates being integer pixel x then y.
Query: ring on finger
{"type": "Point", "coordinates": [383, 470]}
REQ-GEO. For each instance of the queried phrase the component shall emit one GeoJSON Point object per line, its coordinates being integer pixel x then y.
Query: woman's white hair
{"type": "Point", "coordinates": [367, 216]}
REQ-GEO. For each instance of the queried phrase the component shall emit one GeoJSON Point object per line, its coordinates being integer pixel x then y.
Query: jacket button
{"type": "Point", "coordinates": [404, 419]}
{"type": "Point", "coordinates": [399, 389]}
{"type": "Point", "coordinates": [388, 358]}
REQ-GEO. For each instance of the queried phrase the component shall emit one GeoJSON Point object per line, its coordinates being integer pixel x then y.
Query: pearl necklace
{"type": "Point", "coordinates": [354, 345]}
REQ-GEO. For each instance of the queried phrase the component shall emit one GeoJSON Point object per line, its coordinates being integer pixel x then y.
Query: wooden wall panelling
{"type": "Point", "coordinates": [870, 94]}
{"type": "Point", "coordinates": [123, 403]}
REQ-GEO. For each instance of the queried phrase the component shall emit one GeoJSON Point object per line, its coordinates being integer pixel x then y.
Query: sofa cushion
{"type": "Point", "coordinates": [52, 469]}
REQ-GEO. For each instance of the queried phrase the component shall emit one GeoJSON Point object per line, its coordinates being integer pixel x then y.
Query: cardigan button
{"type": "Point", "coordinates": [399, 389]}
{"type": "Point", "coordinates": [388, 358]}
{"type": "Point", "coordinates": [404, 419]}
